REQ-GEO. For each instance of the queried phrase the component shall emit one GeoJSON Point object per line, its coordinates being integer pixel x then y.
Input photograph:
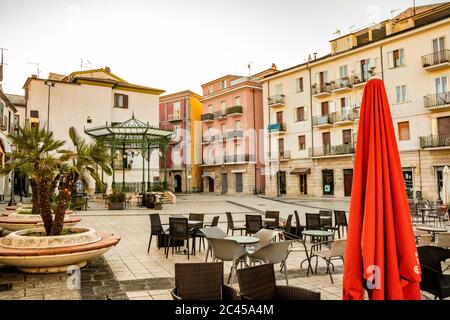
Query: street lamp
{"type": "Point", "coordinates": [49, 84]}
{"type": "Point", "coordinates": [12, 201]}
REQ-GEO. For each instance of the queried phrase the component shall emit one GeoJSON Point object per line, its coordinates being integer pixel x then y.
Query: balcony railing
{"type": "Point", "coordinates": [174, 117]}
{"type": "Point", "coordinates": [360, 78]}
{"type": "Point", "coordinates": [237, 158]}
{"type": "Point", "coordinates": [208, 117]}
{"type": "Point", "coordinates": [320, 89]}
{"type": "Point", "coordinates": [341, 84]}
{"type": "Point", "coordinates": [329, 150]}
{"type": "Point", "coordinates": [175, 140]}
{"type": "Point", "coordinates": [437, 100]}
{"type": "Point", "coordinates": [277, 100]}
{"type": "Point", "coordinates": [436, 58]}
{"type": "Point", "coordinates": [277, 127]}
{"type": "Point", "coordinates": [285, 155]}
{"type": "Point", "coordinates": [210, 138]}
{"type": "Point", "coordinates": [345, 115]}
{"type": "Point", "coordinates": [322, 120]}
{"type": "Point", "coordinates": [235, 110]}
{"type": "Point", "coordinates": [234, 134]}
{"type": "Point", "coordinates": [436, 141]}
{"type": "Point", "coordinates": [213, 160]}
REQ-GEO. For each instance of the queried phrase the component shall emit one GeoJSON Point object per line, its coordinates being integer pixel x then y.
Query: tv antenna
{"type": "Point", "coordinates": [351, 28]}
{"type": "Point", "coordinates": [249, 66]}
{"type": "Point", "coordinates": [1, 62]}
{"type": "Point", "coordinates": [83, 63]}
{"type": "Point", "coordinates": [37, 66]}
{"type": "Point", "coordinates": [337, 33]}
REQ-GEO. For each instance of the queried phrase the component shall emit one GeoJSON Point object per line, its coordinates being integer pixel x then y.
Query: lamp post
{"type": "Point", "coordinates": [49, 84]}
{"type": "Point", "coordinates": [12, 201]}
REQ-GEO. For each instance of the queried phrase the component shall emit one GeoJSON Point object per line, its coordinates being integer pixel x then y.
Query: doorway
{"type": "Point", "coordinates": [210, 184]}
{"type": "Point", "coordinates": [177, 182]}
{"type": "Point", "coordinates": [408, 177]}
{"type": "Point", "coordinates": [281, 182]}
{"type": "Point", "coordinates": [303, 184]}
{"type": "Point", "coordinates": [348, 180]}
{"type": "Point", "coordinates": [328, 182]}
{"type": "Point", "coordinates": [224, 180]}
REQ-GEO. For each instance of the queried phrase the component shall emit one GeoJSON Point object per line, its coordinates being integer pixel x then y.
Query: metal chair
{"type": "Point", "coordinates": [201, 281]}
{"type": "Point", "coordinates": [273, 215]}
{"type": "Point", "coordinates": [258, 283]}
{"type": "Point", "coordinates": [313, 221]}
{"type": "Point", "coordinates": [156, 228]}
{"type": "Point", "coordinates": [228, 250]}
{"type": "Point", "coordinates": [298, 227]}
{"type": "Point", "coordinates": [340, 222]}
{"type": "Point", "coordinates": [179, 230]}
{"type": "Point", "coordinates": [253, 223]}
{"type": "Point", "coordinates": [231, 226]}
{"type": "Point", "coordinates": [198, 235]}
{"type": "Point", "coordinates": [214, 222]}
{"type": "Point", "coordinates": [336, 252]}
{"type": "Point", "coordinates": [326, 220]}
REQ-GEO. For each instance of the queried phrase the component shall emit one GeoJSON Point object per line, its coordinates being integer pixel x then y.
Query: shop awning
{"type": "Point", "coordinates": [301, 171]}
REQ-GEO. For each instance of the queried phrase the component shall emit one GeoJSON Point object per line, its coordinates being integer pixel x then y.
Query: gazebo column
{"type": "Point", "coordinates": [163, 150]}
{"type": "Point", "coordinates": [124, 164]}
{"type": "Point", "coordinates": [143, 170]}
{"type": "Point", "coordinates": [113, 153]}
{"type": "Point", "coordinates": [148, 169]}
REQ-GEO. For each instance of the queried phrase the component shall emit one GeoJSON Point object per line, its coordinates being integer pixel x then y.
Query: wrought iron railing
{"type": "Point", "coordinates": [285, 155]}
{"type": "Point", "coordinates": [360, 78]}
{"type": "Point", "coordinates": [435, 141]}
{"type": "Point", "coordinates": [321, 88]}
{"type": "Point", "coordinates": [437, 100]}
{"type": "Point", "coordinates": [234, 110]}
{"type": "Point", "coordinates": [277, 127]}
{"type": "Point", "coordinates": [345, 115]}
{"type": "Point", "coordinates": [341, 83]}
{"type": "Point", "coordinates": [329, 150]}
{"type": "Point", "coordinates": [277, 99]}
{"type": "Point", "coordinates": [321, 120]}
{"type": "Point", "coordinates": [236, 158]}
{"type": "Point", "coordinates": [174, 117]}
{"type": "Point", "coordinates": [207, 116]}
{"type": "Point", "coordinates": [232, 134]}
{"type": "Point", "coordinates": [436, 58]}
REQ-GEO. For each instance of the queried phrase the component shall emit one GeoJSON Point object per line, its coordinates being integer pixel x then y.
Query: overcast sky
{"type": "Point", "coordinates": [174, 44]}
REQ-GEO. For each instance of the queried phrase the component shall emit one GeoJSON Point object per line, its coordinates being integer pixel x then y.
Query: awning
{"type": "Point", "coordinates": [301, 171]}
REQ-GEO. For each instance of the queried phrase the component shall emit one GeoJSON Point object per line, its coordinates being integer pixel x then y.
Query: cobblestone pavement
{"type": "Point", "coordinates": [129, 272]}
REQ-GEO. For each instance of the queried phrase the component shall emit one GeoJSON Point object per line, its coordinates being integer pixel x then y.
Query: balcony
{"type": "Point", "coordinates": [213, 161]}
{"type": "Point", "coordinates": [220, 115]}
{"type": "Point", "coordinates": [277, 101]}
{"type": "Point", "coordinates": [436, 141]}
{"type": "Point", "coordinates": [322, 121]}
{"type": "Point", "coordinates": [285, 155]}
{"type": "Point", "coordinates": [234, 111]}
{"type": "Point", "coordinates": [332, 151]}
{"type": "Point", "coordinates": [436, 60]}
{"type": "Point", "coordinates": [438, 101]}
{"type": "Point", "coordinates": [321, 90]}
{"type": "Point", "coordinates": [175, 140]}
{"type": "Point", "coordinates": [341, 85]}
{"type": "Point", "coordinates": [239, 158]}
{"type": "Point", "coordinates": [345, 116]}
{"type": "Point", "coordinates": [210, 138]}
{"type": "Point", "coordinates": [277, 127]}
{"type": "Point", "coordinates": [208, 117]}
{"type": "Point", "coordinates": [235, 134]}
{"type": "Point", "coordinates": [359, 80]}
{"type": "Point", "coordinates": [174, 117]}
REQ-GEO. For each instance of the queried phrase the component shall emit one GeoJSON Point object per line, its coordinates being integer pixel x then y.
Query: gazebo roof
{"type": "Point", "coordinates": [131, 133]}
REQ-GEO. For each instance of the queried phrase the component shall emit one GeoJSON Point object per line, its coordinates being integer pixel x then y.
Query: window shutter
{"type": "Point", "coordinates": [125, 101]}
{"type": "Point", "coordinates": [390, 60]}
{"type": "Point", "coordinates": [305, 112]}
{"type": "Point", "coordinates": [116, 100]}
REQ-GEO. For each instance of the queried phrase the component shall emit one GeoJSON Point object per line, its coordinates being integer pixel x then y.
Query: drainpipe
{"type": "Point", "coordinates": [382, 66]}
{"type": "Point", "coordinates": [268, 122]}
{"type": "Point", "coordinates": [256, 137]}
{"type": "Point", "coordinates": [311, 113]}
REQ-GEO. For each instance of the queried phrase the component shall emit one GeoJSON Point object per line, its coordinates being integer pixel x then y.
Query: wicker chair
{"type": "Point", "coordinates": [326, 219]}
{"type": "Point", "coordinates": [433, 279]}
{"type": "Point", "coordinates": [201, 281]}
{"type": "Point", "coordinates": [298, 227]}
{"type": "Point", "coordinates": [231, 226]}
{"type": "Point", "coordinates": [179, 230]}
{"type": "Point", "coordinates": [336, 252]}
{"type": "Point", "coordinates": [340, 222]}
{"type": "Point", "coordinates": [253, 223]}
{"type": "Point", "coordinates": [258, 283]}
{"type": "Point", "coordinates": [198, 235]}
{"type": "Point", "coordinates": [157, 228]}
{"type": "Point", "coordinates": [273, 215]}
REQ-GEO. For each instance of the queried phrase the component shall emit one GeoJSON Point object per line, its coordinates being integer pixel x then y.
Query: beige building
{"type": "Point", "coordinates": [312, 110]}
{"type": "Point", "coordinates": [91, 98]}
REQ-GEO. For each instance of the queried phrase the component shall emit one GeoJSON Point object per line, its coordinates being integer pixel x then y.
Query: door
{"type": "Point", "coordinates": [303, 184]}
{"type": "Point", "coordinates": [224, 183]}
{"type": "Point", "coordinates": [280, 117]}
{"type": "Point", "coordinates": [324, 108]}
{"type": "Point", "coordinates": [365, 70]}
{"type": "Point", "coordinates": [210, 184]}
{"type": "Point", "coordinates": [444, 131]}
{"type": "Point", "coordinates": [441, 85]}
{"type": "Point", "coordinates": [281, 146]}
{"type": "Point", "coordinates": [326, 142]}
{"type": "Point", "coordinates": [281, 182]}
{"type": "Point", "coordinates": [408, 177]}
{"type": "Point", "coordinates": [440, 182]}
{"type": "Point", "coordinates": [438, 50]}
{"type": "Point", "coordinates": [348, 180]}
{"type": "Point", "coordinates": [239, 182]}
{"type": "Point", "coordinates": [177, 181]}
{"type": "Point", "coordinates": [328, 182]}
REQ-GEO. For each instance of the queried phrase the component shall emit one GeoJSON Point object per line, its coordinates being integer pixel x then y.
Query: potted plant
{"type": "Point", "coordinates": [116, 200]}
{"type": "Point", "coordinates": [55, 246]}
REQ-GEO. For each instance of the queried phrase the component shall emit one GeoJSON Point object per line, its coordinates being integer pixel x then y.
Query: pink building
{"type": "Point", "coordinates": [232, 142]}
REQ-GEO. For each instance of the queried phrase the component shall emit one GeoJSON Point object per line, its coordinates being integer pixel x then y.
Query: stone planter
{"type": "Point", "coordinates": [16, 221]}
{"type": "Point", "coordinates": [34, 254]}
{"type": "Point", "coordinates": [116, 206]}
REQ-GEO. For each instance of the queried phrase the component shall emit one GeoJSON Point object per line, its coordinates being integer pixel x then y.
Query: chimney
{"type": "Point", "coordinates": [33, 76]}
{"type": "Point", "coordinates": [107, 69]}
{"type": "Point", "coordinates": [315, 55]}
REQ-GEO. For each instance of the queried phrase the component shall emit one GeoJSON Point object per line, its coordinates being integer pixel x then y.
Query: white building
{"type": "Point", "coordinates": [91, 98]}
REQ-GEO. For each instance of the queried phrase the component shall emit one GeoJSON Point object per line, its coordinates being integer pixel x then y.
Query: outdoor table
{"type": "Point", "coordinates": [432, 230]}
{"type": "Point", "coordinates": [244, 240]}
{"type": "Point", "coordinates": [312, 234]}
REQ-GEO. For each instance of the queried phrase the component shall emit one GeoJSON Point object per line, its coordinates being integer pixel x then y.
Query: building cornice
{"type": "Point", "coordinates": [245, 85]}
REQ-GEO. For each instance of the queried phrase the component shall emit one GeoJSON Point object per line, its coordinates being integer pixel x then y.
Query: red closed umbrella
{"type": "Point", "coordinates": [381, 255]}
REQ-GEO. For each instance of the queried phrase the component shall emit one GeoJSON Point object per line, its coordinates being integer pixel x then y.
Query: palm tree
{"type": "Point", "coordinates": [79, 164]}
{"type": "Point", "coordinates": [36, 157]}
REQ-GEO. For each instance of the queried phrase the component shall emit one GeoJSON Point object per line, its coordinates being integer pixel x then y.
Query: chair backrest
{"type": "Point", "coordinates": [213, 232]}
{"type": "Point", "coordinates": [431, 256]}
{"type": "Point", "coordinates": [265, 236]}
{"type": "Point", "coordinates": [340, 218]}
{"type": "Point", "coordinates": [312, 221]}
{"type": "Point", "coordinates": [199, 281]}
{"type": "Point", "coordinates": [253, 223]}
{"type": "Point", "coordinates": [226, 250]}
{"type": "Point", "coordinates": [274, 252]}
{"type": "Point", "coordinates": [288, 225]}
{"type": "Point", "coordinates": [155, 223]}
{"type": "Point", "coordinates": [197, 217]}
{"type": "Point", "coordinates": [178, 228]}
{"type": "Point", "coordinates": [273, 214]}
{"type": "Point", "coordinates": [257, 283]}
{"type": "Point", "coordinates": [326, 214]}
{"type": "Point", "coordinates": [215, 221]}
{"type": "Point", "coordinates": [425, 239]}
{"type": "Point", "coordinates": [338, 248]}
{"type": "Point", "coordinates": [297, 223]}
{"type": "Point", "coordinates": [230, 220]}
{"type": "Point", "coordinates": [443, 240]}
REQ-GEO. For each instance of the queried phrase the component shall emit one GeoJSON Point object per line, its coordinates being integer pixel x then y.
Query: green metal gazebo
{"type": "Point", "coordinates": [135, 135]}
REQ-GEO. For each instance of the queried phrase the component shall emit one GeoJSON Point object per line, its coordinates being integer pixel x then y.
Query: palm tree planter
{"type": "Point", "coordinates": [116, 200]}
{"type": "Point", "coordinates": [51, 248]}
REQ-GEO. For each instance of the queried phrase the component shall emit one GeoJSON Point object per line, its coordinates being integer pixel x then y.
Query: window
{"type": "Point", "coordinates": [365, 68]}
{"type": "Point", "coordinates": [16, 123]}
{"type": "Point", "coordinates": [301, 143]}
{"type": "Point", "coordinates": [120, 101]}
{"type": "Point", "coordinates": [345, 103]}
{"type": "Point", "coordinates": [403, 130]}
{"type": "Point", "coordinates": [299, 84]}
{"type": "Point", "coordinates": [278, 89]}
{"type": "Point", "coordinates": [33, 113]}
{"type": "Point", "coordinates": [237, 125]}
{"type": "Point", "coordinates": [347, 136]}
{"type": "Point", "coordinates": [177, 130]}
{"type": "Point", "coordinates": [176, 110]}
{"type": "Point", "coordinates": [300, 114]}
{"type": "Point", "coordinates": [223, 129]}
{"type": "Point", "coordinates": [223, 84]}
{"type": "Point", "coordinates": [210, 88]}
{"type": "Point", "coordinates": [343, 72]}
{"type": "Point", "coordinates": [239, 183]}
{"type": "Point", "coordinates": [223, 107]}
{"type": "Point", "coordinates": [400, 92]}
{"type": "Point", "coordinates": [89, 120]}
{"type": "Point", "coordinates": [210, 108]}
{"type": "Point", "coordinates": [441, 84]}
{"type": "Point", "coordinates": [396, 58]}
{"type": "Point", "coordinates": [237, 101]}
